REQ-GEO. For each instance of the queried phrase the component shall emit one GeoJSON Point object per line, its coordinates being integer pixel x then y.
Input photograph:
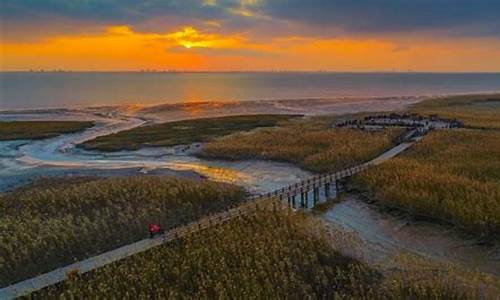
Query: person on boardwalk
{"type": "Point", "coordinates": [154, 229]}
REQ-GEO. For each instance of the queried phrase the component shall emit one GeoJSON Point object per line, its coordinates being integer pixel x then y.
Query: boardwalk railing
{"type": "Point", "coordinates": [253, 203]}
{"type": "Point", "coordinates": [36, 283]}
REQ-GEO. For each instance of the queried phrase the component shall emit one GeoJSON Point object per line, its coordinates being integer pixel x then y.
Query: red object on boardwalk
{"type": "Point", "coordinates": [154, 229]}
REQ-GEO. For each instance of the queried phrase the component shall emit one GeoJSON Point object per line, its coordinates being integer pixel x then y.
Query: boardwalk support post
{"type": "Point", "coordinates": [316, 195]}
{"type": "Point", "coordinates": [327, 191]}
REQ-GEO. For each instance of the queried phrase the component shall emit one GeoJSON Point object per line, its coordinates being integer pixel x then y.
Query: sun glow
{"type": "Point", "coordinates": [191, 48]}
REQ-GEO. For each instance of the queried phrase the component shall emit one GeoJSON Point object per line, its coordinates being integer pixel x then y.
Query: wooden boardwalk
{"type": "Point", "coordinates": [288, 193]}
{"type": "Point", "coordinates": [36, 283]}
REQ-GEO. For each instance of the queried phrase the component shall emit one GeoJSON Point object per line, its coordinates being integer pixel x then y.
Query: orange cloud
{"type": "Point", "coordinates": [191, 38]}
{"type": "Point", "coordinates": [121, 48]}
{"type": "Point", "coordinates": [117, 48]}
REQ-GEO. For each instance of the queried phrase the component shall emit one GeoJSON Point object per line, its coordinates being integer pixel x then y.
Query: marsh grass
{"type": "Point", "coordinates": [267, 255]}
{"type": "Point", "coordinates": [28, 130]}
{"type": "Point", "coordinates": [475, 111]}
{"type": "Point", "coordinates": [311, 144]}
{"type": "Point", "coordinates": [45, 227]}
{"type": "Point", "coordinates": [453, 176]}
{"type": "Point", "coordinates": [182, 132]}
{"type": "Point", "coordinates": [407, 276]}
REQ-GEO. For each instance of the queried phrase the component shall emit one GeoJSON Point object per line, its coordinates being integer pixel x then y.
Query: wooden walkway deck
{"type": "Point", "coordinates": [302, 188]}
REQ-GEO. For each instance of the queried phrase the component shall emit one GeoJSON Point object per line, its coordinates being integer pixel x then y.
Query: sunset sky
{"type": "Point", "coordinates": [251, 35]}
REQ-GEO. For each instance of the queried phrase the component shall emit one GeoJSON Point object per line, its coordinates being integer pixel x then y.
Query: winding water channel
{"type": "Point", "coordinates": [22, 160]}
{"type": "Point", "coordinates": [383, 235]}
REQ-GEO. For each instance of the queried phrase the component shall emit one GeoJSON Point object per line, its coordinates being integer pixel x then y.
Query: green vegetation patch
{"type": "Point", "coordinates": [450, 175]}
{"type": "Point", "coordinates": [312, 144]}
{"type": "Point", "coordinates": [182, 132]}
{"type": "Point", "coordinates": [475, 111]}
{"type": "Point", "coordinates": [28, 130]}
{"type": "Point", "coordinates": [45, 227]}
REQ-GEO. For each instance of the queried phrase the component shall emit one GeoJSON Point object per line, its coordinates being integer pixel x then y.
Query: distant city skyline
{"type": "Point", "coordinates": [251, 35]}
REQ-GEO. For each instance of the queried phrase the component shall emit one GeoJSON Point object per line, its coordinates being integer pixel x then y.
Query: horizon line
{"type": "Point", "coordinates": [174, 71]}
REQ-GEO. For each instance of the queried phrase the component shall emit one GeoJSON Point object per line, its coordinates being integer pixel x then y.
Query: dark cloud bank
{"type": "Point", "coordinates": [461, 17]}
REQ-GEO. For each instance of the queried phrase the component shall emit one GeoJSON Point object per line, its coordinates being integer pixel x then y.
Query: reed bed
{"type": "Point", "coordinates": [28, 130]}
{"type": "Point", "coordinates": [408, 276]}
{"type": "Point", "coordinates": [453, 176]}
{"type": "Point", "coordinates": [49, 226]}
{"type": "Point", "coordinates": [268, 255]}
{"type": "Point", "coordinates": [182, 132]}
{"type": "Point", "coordinates": [265, 256]}
{"type": "Point", "coordinates": [312, 145]}
{"type": "Point", "coordinates": [475, 111]}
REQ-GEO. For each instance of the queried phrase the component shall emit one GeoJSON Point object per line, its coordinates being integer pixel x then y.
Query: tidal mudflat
{"type": "Point", "coordinates": [25, 159]}
{"type": "Point", "coordinates": [383, 236]}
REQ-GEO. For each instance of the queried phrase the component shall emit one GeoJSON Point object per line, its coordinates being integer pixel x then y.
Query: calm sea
{"type": "Point", "coordinates": [53, 90]}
